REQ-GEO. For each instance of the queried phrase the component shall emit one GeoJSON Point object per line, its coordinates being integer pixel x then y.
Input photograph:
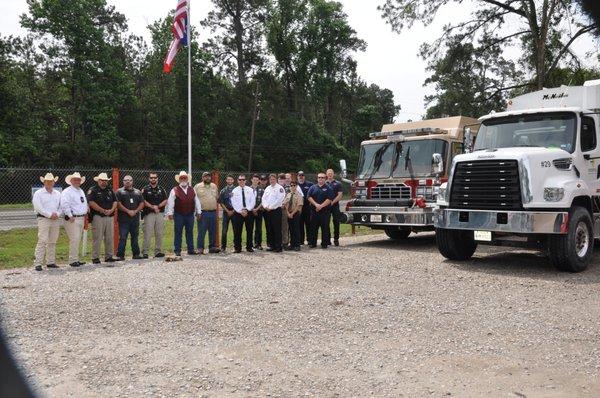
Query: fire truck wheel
{"type": "Point", "coordinates": [397, 233]}
{"type": "Point", "coordinates": [572, 252]}
{"type": "Point", "coordinates": [455, 244]}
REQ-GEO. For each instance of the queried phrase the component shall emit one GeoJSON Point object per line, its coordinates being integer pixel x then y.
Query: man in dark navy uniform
{"type": "Point", "coordinates": [225, 202]}
{"type": "Point", "coordinates": [305, 215]}
{"type": "Point", "coordinates": [336, 215]}
{"type": "Point", "coordinates": [320, 197]}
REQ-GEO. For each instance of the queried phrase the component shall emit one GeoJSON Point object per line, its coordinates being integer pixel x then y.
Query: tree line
{"type": "Point", "coordinates": [81, 90]}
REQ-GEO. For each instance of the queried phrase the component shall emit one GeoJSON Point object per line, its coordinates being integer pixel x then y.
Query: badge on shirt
{"type": "Point", "coordinates": [131, 200]}
{"type": "Point", "coordinates": [82, 199]}
{"type": "Point", "coordinates": [281, 190]}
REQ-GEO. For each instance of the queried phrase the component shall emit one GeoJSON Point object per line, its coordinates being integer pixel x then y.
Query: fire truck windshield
{"type": "Point", "coordinates": [407, 159]}
{"type": "Point", "coordinates": [547, 130]}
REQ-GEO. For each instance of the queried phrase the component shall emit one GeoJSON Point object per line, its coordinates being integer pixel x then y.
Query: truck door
{"type": "Point", "coordinates": [588, 144]}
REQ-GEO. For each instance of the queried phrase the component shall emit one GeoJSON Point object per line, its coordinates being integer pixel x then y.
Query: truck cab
{"type": "Point", "coordinates": [532, 180]}
{"type": "Point", "coordinates": [400, 171]}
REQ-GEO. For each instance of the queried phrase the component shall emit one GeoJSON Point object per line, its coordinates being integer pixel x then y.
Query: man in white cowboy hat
{"type": "Point", "coordinates": [103, 203]}
{"type": "Point", "coordinates": [46, 203]}
{"type": "Point", "coordinates": [75, 207]}
{"type": "Point", "coordinates": [182, 204]}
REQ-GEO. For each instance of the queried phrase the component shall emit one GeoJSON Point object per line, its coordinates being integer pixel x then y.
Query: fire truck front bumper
{"type": "Point", "coordinates": [388, 216]}
{"type": "Point", "coordinates": [518, 222]}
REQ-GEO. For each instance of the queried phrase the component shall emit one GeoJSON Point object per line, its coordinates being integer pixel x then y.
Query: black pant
{"type": "Point", "coordinates": [294, 225]}
{"type": "Point", "coordinates": [258, 219]}
{"type": "Point", "coordinates": [239, 222]}
{"type": "Point", "coordinates": [305, 224]}
{"type": "Point", "coordinates": [336, 215]}
{"type": "Point", "coordinates": [274, 229]}
{"type": "Point", "coordinates": [320, 219]}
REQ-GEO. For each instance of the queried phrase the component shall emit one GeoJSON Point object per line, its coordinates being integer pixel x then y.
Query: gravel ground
{"type": "Point", "coordinates": [371, 318]}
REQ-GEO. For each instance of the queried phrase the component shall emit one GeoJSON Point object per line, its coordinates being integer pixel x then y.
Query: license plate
{"type": "Point", "coordinates": [376, 218]}
{"type": "Point", "coordinates": [485, 236]}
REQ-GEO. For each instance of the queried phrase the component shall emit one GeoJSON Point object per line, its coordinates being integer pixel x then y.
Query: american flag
{"type": "Point", "coordinates": [180, 34]}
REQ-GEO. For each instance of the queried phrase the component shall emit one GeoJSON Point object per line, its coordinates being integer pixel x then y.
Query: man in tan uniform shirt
{"type": "Point", "coordinates": [207, 193]}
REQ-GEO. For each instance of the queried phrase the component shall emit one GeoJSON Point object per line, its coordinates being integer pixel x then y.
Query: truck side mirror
{"type": "Point", "coordinates": [343, 169]}
{"type": "Point", "coordinates": [438, 161]}
{"type": "Point", "coordinates": [468, 140]}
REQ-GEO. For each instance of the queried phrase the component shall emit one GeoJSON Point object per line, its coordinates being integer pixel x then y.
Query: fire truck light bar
{"type": "Point", "coordinates": [422, 131]}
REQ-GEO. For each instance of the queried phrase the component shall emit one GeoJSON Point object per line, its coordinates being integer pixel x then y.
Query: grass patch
{"type": "Point", "coordinates": [17, 206]}
{"type": "Point", "coordinates": [17, 246]}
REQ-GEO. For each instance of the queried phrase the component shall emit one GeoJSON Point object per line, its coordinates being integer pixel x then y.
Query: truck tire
{"type": "Point", "coordinates": [455, 244]}
{"type": "Point", "coordinates": [397, 233]}
{"type": "Point", "coordinates": [572, 252]}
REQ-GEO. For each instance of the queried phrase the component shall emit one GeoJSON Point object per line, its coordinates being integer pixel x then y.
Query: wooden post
{"type": "Point", "coordinates": [115, 182]}
{"type": "Point", "coordinates": [215, 179]}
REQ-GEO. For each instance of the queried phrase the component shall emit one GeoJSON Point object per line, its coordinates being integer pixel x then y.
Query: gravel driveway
{"type": "Point", "coordinates": [371, 318]}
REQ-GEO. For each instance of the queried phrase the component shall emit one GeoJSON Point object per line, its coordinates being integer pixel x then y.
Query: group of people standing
{"type": "Point", "coordinates": [292, 209]}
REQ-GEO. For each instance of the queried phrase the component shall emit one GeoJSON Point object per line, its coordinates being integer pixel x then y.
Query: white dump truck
{"type": "Point", "coordinates": [400, 171]}
{"type": "Point", "coordinates": [532, 180]}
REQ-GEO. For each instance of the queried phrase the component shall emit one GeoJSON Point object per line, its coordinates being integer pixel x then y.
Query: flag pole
{"type": "Point", "coordinates": [189, 43]}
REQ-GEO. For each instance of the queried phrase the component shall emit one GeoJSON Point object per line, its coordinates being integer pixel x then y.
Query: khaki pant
{"type": "Point", "coordinates": [74, 230]}
{"type": "Point", "coordinates": [285, 232]}
{"type": "Point", "coordinates": [102, 230]}
{"type": "Point", "coordinates": [46, 245]}
{"type": "Point", "coordinates": [154, 225]}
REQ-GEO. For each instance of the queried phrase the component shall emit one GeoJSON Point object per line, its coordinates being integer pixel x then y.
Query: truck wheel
{"type": "Point", "coordinates": [572, 252]}
{"type": "Point", "coordinates": [455, 244]}
{"type": "Point", "coordinates": [397, 233]}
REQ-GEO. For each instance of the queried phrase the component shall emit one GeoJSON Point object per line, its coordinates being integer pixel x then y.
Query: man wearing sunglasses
{"type": "Point", "coordinates": [155, 202]}
{"type": "Point", "coordinates": [242, 201]}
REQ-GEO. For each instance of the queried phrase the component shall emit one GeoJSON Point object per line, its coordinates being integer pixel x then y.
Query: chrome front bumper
{"type": "Point", "coordinates": [390, 216]}
{"type": "Point", "coordinates": [524, 222]}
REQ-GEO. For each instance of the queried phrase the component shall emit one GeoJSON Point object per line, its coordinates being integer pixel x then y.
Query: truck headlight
{"type": "Point", "coordinates": [360, 193]}
{"type": "Point", "coordinates": [554, 194]}
{"type": "Point", "coordinates": [442, 192]}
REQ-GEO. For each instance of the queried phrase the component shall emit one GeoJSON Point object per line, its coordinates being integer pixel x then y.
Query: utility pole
{"type": "Point", "coordinates": [254, 118]}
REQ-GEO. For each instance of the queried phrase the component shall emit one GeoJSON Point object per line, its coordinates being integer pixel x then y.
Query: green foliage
{"type": "Point", "coordinates": [79, 90]}
{"type": "Point", "coordinates": [544, 32]}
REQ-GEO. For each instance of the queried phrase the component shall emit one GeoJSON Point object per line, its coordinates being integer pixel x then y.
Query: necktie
{"type": "Point", "coordinates": [243, 198]}
{"type": "Point", "coordinates": [291, 203]}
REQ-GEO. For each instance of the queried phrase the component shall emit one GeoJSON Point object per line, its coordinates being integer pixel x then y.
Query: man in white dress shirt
{"type": "Point", "coordinates": [46, 204]}
{"type": "Point", "coordinates": [74, 205]}
{"type": "Point", "coordinates": [243, 201]}
{"type": "Point", "coordinates": [271, 202]}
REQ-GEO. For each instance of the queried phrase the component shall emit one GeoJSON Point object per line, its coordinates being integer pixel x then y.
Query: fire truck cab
{"type": "Point", "coordinates": [399, 173]}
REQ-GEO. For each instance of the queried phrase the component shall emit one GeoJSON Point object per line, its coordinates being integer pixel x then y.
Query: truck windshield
{"type": "Point", "coordinates": [415, 158]}
{"type": "Point", "coordinates": [376, 160]}
{"type": "Point", "coordinates": [547, 130]}
{"type": "Point", "coordinates": [406, 159]}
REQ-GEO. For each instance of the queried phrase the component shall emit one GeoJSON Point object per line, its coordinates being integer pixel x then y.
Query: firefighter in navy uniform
{"type": "Point", "coordinates": [320, 196]}
{"type": "Point", "coordinates": [305, 216]}
{"type": "Point", "coordinates": [103, 204]}
{"type": "Point", "coordinates": [336, 215]}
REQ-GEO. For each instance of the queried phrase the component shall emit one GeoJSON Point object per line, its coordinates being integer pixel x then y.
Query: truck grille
{"type": "Point", "coordinates": [390, 191]}
{"type": "Point", "coordinates": [486, 185]}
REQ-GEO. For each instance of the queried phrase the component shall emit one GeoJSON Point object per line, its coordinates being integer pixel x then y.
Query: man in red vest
{"type": "Point", "coordinates": [182, 206]}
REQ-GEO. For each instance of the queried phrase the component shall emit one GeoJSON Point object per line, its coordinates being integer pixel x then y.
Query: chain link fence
{"type": "Point", "coordinates": [18, 184]}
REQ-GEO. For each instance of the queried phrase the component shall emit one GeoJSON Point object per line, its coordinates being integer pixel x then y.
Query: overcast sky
{"type": "Point", "coordinates": [390, 60]}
